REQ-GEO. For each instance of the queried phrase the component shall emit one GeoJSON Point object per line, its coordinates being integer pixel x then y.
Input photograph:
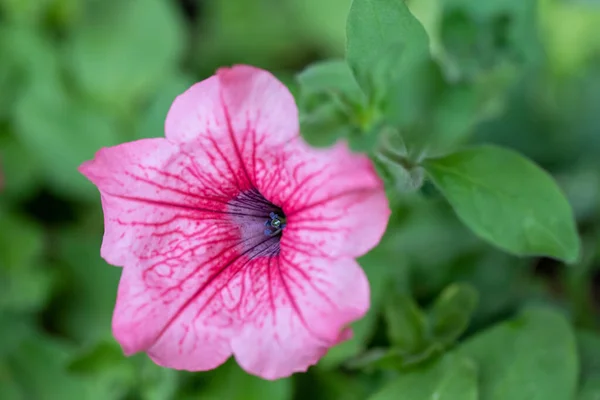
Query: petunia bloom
{"type": "Point", "coordinates": [236, 237]}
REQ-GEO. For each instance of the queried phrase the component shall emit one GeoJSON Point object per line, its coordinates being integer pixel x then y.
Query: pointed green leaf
{"type": "Point", "coordinates": [383, 40]}
{"type": "Point", "coordinates": [532, 357]}
{"type": "Point", "coordinates": [450, 378]}
{"type": "Point", "coordinates": [507, 200]}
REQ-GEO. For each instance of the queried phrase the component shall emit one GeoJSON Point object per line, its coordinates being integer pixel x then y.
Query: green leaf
{"type": "Point", "coordinates": [383, 40]}
{"type": "Point", "coordinates": [122, 51]}
{"type": "Point", "coordinates": [450, 315]}
{"type": "Point", "coordinates": [324, 125]}
{"type": "Point", "coordinates": [406, 324]}
{"type": "Point", "coordinates": [24, 11]}
{"type": "Point", "coordinates": [588, 344]}
{"type": "Point", "coordinates": [507, 200]}
{"type": "Point", "coordinates": [19, 178]}
{"type": "Point", "coordinates": [334, 107]}
{"type": "Point", "coordinates": [152, 119]}
{"type": "Point", "coordinates": [232, 383]}
{"type": "Point", "coordinates": [380, 270]}
{"type": "Point", "coordinates": [331, 76]}
{"type": "Point", "coordinates": [261, 32]}
{"type": "Point", "coordinates": [91, 287]}
{"type": "Point", "coordinates": [324, 22]}
{"type": "Point", "coordinates": [25, 280]}
{"type": "Point", "coordinates": [37, 367]}
{"type": "Point", "coordinates": [532, 357]}
{"type": "Point", "coordinates": [105, 369]}
{"type": "Point", "coordinates": [450, 378]}
{"type": "Point", "coordinates": [154, 381]}
{"type": "Point", "coordinates": [62, 132]}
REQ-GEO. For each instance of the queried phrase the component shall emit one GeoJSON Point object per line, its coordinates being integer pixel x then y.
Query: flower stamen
{"type": "Point", "coordinates": [274, 224]}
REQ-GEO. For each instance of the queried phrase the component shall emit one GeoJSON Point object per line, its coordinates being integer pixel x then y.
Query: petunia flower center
{"type": "Point", "coordinates": [260, 223]}
{"type": "Point", "coordinates": [274, 224]}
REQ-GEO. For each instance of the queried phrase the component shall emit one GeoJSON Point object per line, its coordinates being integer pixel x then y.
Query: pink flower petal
{"type": "Point", "coordinates": [235, 114]}
{"type": "Point", "coordinates": [157, 199]}
{"type": "Point", "coordinates": [178, 319]}
{"type": "Point", "coordinates": [334, 201]}
{"type": "Point", "coordinates": [301, 308]}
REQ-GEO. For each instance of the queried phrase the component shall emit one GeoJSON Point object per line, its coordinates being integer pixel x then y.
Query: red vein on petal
{"type": "Point", "coordinates": [328, 199]}
{"type": "Point", "coordinates": [199, 291]}
{"type": "Point", "coordinates": [295, 305]}
{"type": "Point", "coordinates": [232, 136]}
{"type": "Point", "coordinates": [180, 206]}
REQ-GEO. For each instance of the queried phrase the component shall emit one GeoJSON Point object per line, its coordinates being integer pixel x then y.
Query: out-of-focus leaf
{"type": "Point", "coordinates": [231, 382]}
{"type": "Point", "coordinates": [62, 132]}
{"type": "Point", "coordinates": [18, 178]}
{"type": "Point", "coordinates": [568, 48]}
{"type": "Point", "coordinates": [38, 369]}
{"type": "Point", "coordinates": [334, 107]}
{"type": "Point", "coordinates": [24, 11]}
{"type": "Point", "coordinates": [123, 50]}
{"type": "Point", "coordinates": [382, 266]}
{"type": "Point", "coordinates": [589, 360]}
{"type": "Point", "coordinates": [25, 282]}
{"type": "Point", "coordinates": [507, 200]}
{"type": "Point", "coordinates": [15, 329]}
{"type": "Point", "coordinates": [377, 30]}
{"type": "Point", "coordinates": [105, 369]}
{"type": "Point", "coordinates": [90, 287]}
{"type": "Point", "coordinates": [451, 312]}
{"type": "Point", "coordinates": [406, 324]}
{"type": "Point", "coordinates": [451, 378]}
{"type": "Point", "coordinates": [531, 357]}
{"type": "Point", "coordinates": [152, 120]}
{"type": "Point", "coordinates": [332, 76]}
{"type": "Point", "coordinates": [28, 58]}
{"type": "Point", "coordinates": [324, 22]}
{"type": "Point", "coordinates": [262, 33]}
{"type": "Point", "coordinates": [480, 36]}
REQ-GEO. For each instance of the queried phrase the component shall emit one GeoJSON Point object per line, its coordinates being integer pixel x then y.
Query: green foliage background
{"type": "Point", "coordinates": [452, 316]}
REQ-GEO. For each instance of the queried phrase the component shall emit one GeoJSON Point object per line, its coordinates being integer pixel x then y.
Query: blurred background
{"type": "Point", "coordinates": [77, 75]}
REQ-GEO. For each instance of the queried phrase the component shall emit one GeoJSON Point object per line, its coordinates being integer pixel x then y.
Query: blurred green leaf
{"type": "Point", "coordinates": [261, 32]}
{"type": "Point", "coordinates": [331, 76]}
{"type": "Point", "coordinates": [588, 344]}
{"type": "Point", "coordinates": [333, 107]}
{"type": "Point", "coordinates": [123, 50]}
{"type": "Point", "coordinates": [569, 49]}
{"type": "Point", "coordinates": [406, 324]}
{"type": "Point", "coordinates": [37, 368]}
{"type": "Point", "coordinates": [377, 30]}
{"type": "Point", "coordinates": [24, 11]}
{"type": "Point", "coordinates": [531, 357]}
{"type": "Point", "coordinates": [450, 378]}
{"type": "Point", "coordinates": [28, 59]}
{"type": "Point", "coordinates": [90, 287]}
{"type": "Point", "coordinates": [507, 200]}
{"type": "Point", "coordinates": [323, 125]}
{"type": "Point", "coordinates": [25, 280]}
{"type": "Point", "coordinates": [19, 178]}
{"type": "Point", "coordinates": [397, 173]}
{"type": "Point", "coordinates": [152, 118]}
{"type": "Point", "coordinates": [155, 382]}
{"type": "Point", "coordinates": [451, 312]}
{"type": "Point", "coordinates": [381, 267]}
{"type": "Point", "coordinates": [480, 36]}
{"type": "Point", "coordinates": [323, 22]}
{"type": "Point", "coordinates": [105, 369]}
{"type": "Point", "coordinates": [233, 383]}
{"type": "Point", "coordinates": [62, 132]}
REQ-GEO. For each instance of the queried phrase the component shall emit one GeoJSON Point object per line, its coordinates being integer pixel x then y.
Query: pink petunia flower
{"type": "Point", "coordinates": [235, 236]}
